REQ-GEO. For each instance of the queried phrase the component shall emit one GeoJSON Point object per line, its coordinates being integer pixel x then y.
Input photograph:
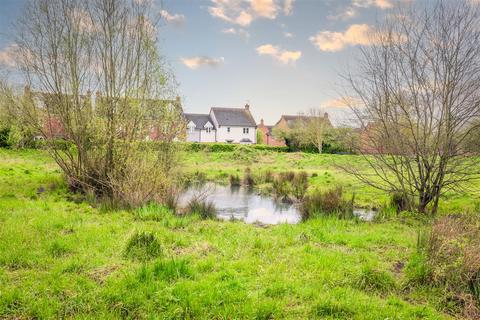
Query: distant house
{"type": "Point", "coordinates": [228, 125]}
{"type": "Point", "coordinates": [268, 136]}
{"type": "Point", "coordinates": [285, 123]}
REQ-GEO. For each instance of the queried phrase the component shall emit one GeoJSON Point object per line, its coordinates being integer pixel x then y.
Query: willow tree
{"type": "Point", "coordinates": [418, 96]}
{"type": "Point", "coordinates": [96, 79]}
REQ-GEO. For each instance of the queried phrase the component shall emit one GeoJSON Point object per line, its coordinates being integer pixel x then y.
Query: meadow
{"type": "Point", "coordinates": [63, 257]}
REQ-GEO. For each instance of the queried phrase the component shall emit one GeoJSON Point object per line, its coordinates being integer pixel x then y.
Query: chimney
{"type": "Point", "coordinates": [325, 115]}
{"type": "Point", "coordinates": [262, 123]}
{"type": "Point", "coordinates": [247, 107]}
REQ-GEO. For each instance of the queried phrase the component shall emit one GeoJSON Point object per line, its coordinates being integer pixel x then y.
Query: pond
{"type": "Point", "coordinates": [245, 204]}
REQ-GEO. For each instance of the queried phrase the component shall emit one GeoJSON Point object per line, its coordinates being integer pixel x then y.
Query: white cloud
{"type": "Point", "coordinates": [341, 102]}
{"type": "Point", "coordinates": [201, 61]}
{"type": "Point", "coordinates": [356, 34]}
{"type": "Point", "coordinates": [288, 35]}
{"type": "Point", "coordinates": [7, 56]}
{"type": "Point", "coordinates": [382, 4]}
{"type": "Point", "coordinates": [243, 12]}
{"type": "Point", "coordinates": [345, 14]}
{"type": "Point", "coordinates": [237, 31]}
{"type": "Point", "coordinates": [177, 19]}
{"type": "Point", "coordinates": [288, 7]}
{"type": "Point", "coordinates": [280, 55]}
{"type": "Point", "coordinates": [265, 8]}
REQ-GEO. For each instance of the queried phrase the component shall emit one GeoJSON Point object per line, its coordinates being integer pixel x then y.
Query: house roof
{"type": "Point", "coordinates": [234, 117]}
{"type": "Point", "coordinates": [291, 120]}
{"type": "Point", "coordinates": [200, 120]}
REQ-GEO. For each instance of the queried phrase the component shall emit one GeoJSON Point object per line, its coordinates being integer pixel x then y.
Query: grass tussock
{"type": "Point", "coordinates": [330, 202]}
{"type": "Point", "coordinates": [290, 185]}
{"type": "Point", "coordinates": [235, 180]}
{"type": "Point", "coordinates": [204, 208]}
{"type": "Point", "coordinates": [143, 246]}
{"type": "Point", "coordinates": [374, 279]}
{"type": "Point", "coordinates": [248, 179]}
{"type": "Point", "coordinates": [401, 201]}
{"type": "Point", "coordinates": [448, 257]}
{"type": "Point", "coordinates": [152, 212]}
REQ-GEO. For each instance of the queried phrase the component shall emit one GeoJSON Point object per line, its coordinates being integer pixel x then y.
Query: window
{"type": "Point", "coordinates": [228, 129]}
{"type": "Point", "coordinates": [191, 129]}
{"type": "Point", "coordinates": [245, 130]}
{"type": "Point", "coordinates": [209, 130]}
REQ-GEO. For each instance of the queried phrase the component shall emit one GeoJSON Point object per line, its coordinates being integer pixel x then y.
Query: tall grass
{"type": "Point", "coordinates": [204, 208]}
{"type": "Point", "coordinates": [448, 257]}
{"type": "Point", "coordinates": [330, 202]}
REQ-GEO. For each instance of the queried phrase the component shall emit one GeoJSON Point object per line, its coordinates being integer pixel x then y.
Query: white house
{"type": "Point", "coordinates": [230, 125]}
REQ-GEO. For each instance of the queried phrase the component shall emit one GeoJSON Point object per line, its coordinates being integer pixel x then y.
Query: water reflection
{"type": "Point", "coordinates": [244, 204]}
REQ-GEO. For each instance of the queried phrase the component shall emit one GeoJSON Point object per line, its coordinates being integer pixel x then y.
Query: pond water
{"type": "Point", "coordinates": [245, 204]}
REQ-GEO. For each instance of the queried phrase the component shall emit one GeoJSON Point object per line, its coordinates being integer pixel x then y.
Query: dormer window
{"type": "Point", "coordinates": [191, 129]}
{"type": "Point", "coordinates": [209, 130]}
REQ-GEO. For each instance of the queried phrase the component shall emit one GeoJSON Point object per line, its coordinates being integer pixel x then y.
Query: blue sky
{"type": "Point", "coordinates": [281, 56]}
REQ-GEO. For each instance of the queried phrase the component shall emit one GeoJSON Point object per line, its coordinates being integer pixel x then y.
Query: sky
{"type": "Point", "coordinates": [279, 56]}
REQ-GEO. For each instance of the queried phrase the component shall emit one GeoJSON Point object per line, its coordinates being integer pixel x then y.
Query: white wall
{"type": "Point", "coordinates": [236, 134]}
{"type": "Point", "coordinates": [193, 136]}
{"type": "Point", "coordinates": [207, 137]}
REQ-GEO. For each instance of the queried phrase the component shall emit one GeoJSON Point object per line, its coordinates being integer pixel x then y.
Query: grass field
{"type": "Point", "coordinates": [61, 258]}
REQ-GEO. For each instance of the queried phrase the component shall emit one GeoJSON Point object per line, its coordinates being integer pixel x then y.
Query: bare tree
{"type": "Point", "coordinates": [68, 49]}
{"type": "Point", "coordinates": [418, 87]}
{"type": "Point", "coordinates": [315, 128]}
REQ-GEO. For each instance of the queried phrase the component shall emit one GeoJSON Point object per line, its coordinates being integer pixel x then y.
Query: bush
{"type": "Point", "coordinates": [291, 185]}
{"type": "Point", "coordinates": [449, 257]}
{"type": "Point", "coordinates": [143, 246]}
{"type": "Point", "coordinates": [330, 202]}
{"type": "Point", "coordinates": [206, 209]}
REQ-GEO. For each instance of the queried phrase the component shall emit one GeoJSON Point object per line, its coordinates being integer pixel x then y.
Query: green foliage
{"type": "Point", "coordinates": [259, 137]}
{"type": "Point", "coordinates": [143, 246]}
{"type": "Point", "coordinates": [228, 147]}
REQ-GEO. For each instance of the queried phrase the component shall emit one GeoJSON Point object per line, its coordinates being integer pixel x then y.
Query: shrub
{"type": "Point", "coordinates": [143, 246]}
{"type": "Point", "coordinates": [330, 202]}
{"type": "Point", "coordinates": [234, 180]}
{"type": "Point", "coordinates": [449, 257]}
{"type": "Point", "coordinates": [206, 209]}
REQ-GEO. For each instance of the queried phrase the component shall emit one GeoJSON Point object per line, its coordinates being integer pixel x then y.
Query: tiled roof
{"type": "Point", "coordinates": [198, 119]}
{"type": "Point", "coordinates": [234, 117]}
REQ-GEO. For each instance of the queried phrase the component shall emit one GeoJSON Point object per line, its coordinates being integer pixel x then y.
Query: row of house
{"type": "Point", "coordinates": [237, 125]}
{"type": "Point", "coordinates": [222, 125]}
